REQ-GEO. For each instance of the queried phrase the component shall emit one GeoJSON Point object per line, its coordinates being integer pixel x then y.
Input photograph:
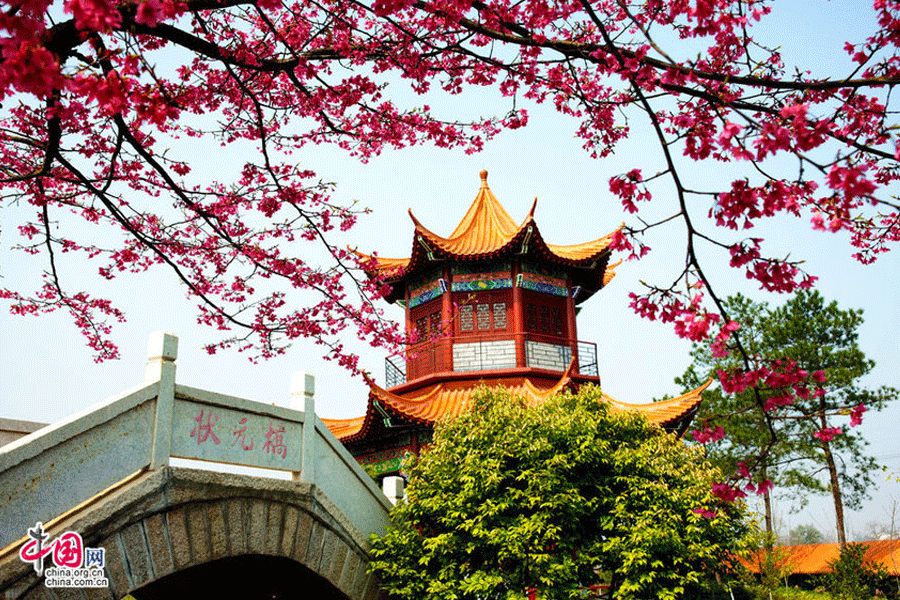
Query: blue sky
{"type": "Point", "coordinates": [47, 373]}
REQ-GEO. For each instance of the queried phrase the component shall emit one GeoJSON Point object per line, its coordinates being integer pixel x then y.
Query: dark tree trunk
{"type": "Point", "coordinates": [767, 503]}
{"type": "Point", "coordinates": [835, 494]}
{"type": "Point", "coordinates": [833, 481]}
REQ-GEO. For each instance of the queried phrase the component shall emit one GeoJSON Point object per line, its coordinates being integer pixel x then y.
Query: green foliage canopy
{"type": "Point", "coordinates": [551, 498]}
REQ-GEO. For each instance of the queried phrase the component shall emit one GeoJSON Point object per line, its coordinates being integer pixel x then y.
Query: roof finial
{"type": "Point", "coordinates": [483, 178]}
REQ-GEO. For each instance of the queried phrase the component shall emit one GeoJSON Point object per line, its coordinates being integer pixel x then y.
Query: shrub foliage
{"type": "Point", "coordinates": [550, 499]}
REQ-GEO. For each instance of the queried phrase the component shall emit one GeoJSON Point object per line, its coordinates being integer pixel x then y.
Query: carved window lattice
{"type": "Point", "coordinates": [483, 312]}
{"type": "Point", "coordinates": [466, 318]}
{"type": "Point", "coordinates": [422, 328]}
{"type": "Point", "coordinates": [482, 317]}
{"type": "Point", "coordinates": [428, 325]}
{"type": "Point", "coordinates": [499, 315]}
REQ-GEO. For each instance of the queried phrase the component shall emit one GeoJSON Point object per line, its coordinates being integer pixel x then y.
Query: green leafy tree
{"type": "Point", "coordinates": [771, 567]}
{"type": "Point", "coordinates": [549, 499]}
{"type": "Point", "coordinates": [803, 441]}
{"type": "Point", "coordinates": [805, 534]}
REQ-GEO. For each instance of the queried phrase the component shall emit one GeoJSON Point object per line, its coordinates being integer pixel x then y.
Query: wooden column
{"type": "Point", "coordinates": [408, 312]}
{"type": "Point", "coordinates": [407, 351]}
{"type": "Point", "coordinates": [571, 330]}
{"type": "Point", "coordinates": [518, 315]}
{"type": "Point", "coordinates": [444, 350]}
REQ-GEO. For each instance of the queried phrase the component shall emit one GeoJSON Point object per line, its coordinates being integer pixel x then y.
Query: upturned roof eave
{"type": "Point", "coordinates": [486, 233]}
{"type": "Point", "coordinates": [687, 405]}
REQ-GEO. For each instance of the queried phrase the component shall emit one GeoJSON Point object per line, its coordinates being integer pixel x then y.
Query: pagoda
{"type": "Point", "coordinates": [491, 304]}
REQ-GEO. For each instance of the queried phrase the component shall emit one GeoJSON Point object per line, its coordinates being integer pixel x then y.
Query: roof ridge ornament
{"type": "Point", "coordinates": [483, 175]}
{"type": "Point", "coordinates": [531, 212]}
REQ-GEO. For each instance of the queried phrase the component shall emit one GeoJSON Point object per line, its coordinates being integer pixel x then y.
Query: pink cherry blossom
{"type": "Point", "coordinates": [826, 434]}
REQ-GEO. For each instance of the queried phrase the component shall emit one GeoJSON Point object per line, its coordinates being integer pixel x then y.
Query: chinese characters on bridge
{"type": "Point", "coordinates": [207, 424]}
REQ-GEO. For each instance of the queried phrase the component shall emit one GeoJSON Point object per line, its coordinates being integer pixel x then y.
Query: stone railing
{"type": "Point", "coordinates": [62, 467]}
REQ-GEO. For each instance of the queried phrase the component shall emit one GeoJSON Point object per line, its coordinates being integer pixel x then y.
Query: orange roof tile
{"type": "Point", "coordinates": [811, 559]}
{"type": "Point", "coordinates": [431, 403]}
{"type": "Point", "coordinates": [664, 412]}
{"type": "Point", "coordinates": [487, 230]}
{"type": "Point", "coordinates": [610, 272]}
{"type": "Point", "coordinates": [448, 399]}
{"type": "Point", "coordinates": [387, 266]}
{"type": "Point", "coordinates": [345, 428]}
{"type": "Point", "coordinates": [486, 226]}
{"type": "Point", "coordinates": [583, 251]}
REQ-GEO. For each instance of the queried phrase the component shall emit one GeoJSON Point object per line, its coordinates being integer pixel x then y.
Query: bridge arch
{"type": "Point", "coordinates": [175, 527]}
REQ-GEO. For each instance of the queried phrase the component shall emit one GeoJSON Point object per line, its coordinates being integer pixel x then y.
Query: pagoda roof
{"type": "Point", "coordinates": [488, 232]}
{"type": "Point", "coordinates": [447, 399]}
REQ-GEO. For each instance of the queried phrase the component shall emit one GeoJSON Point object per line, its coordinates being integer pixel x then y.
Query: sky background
{"type": "Point", "coordinates": [47, 373]}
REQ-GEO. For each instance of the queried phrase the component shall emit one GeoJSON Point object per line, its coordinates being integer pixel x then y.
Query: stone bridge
{"type": "Point", "coordinates": [103, 479]}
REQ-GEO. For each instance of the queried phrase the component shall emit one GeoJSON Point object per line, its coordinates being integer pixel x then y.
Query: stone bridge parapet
{"type": "Point", "coordinates": [106, 474]}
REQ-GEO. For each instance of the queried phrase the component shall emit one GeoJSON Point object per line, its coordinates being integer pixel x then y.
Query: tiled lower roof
{"type": "Point", "coordinates": [344, 428]}
{"type": "Point", "coordinates": [813, 559]}
{"type": "Point", "coordinates": [431, 403]}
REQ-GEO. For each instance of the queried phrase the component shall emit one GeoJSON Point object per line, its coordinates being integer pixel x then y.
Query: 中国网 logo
{"type": "Point", "coordinates": [73, 564]}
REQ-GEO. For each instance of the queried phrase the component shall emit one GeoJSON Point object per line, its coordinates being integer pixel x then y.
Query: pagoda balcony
{"type": "Point", "coordinates": [488, 353]}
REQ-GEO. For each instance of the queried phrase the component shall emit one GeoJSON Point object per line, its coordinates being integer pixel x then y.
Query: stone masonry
{"type": "Point", "coordinates": [477, 356]}
{"type": "Point", "coordinates": [170, 519]}
{"type": "Point", "coordinates": [547, 356]}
